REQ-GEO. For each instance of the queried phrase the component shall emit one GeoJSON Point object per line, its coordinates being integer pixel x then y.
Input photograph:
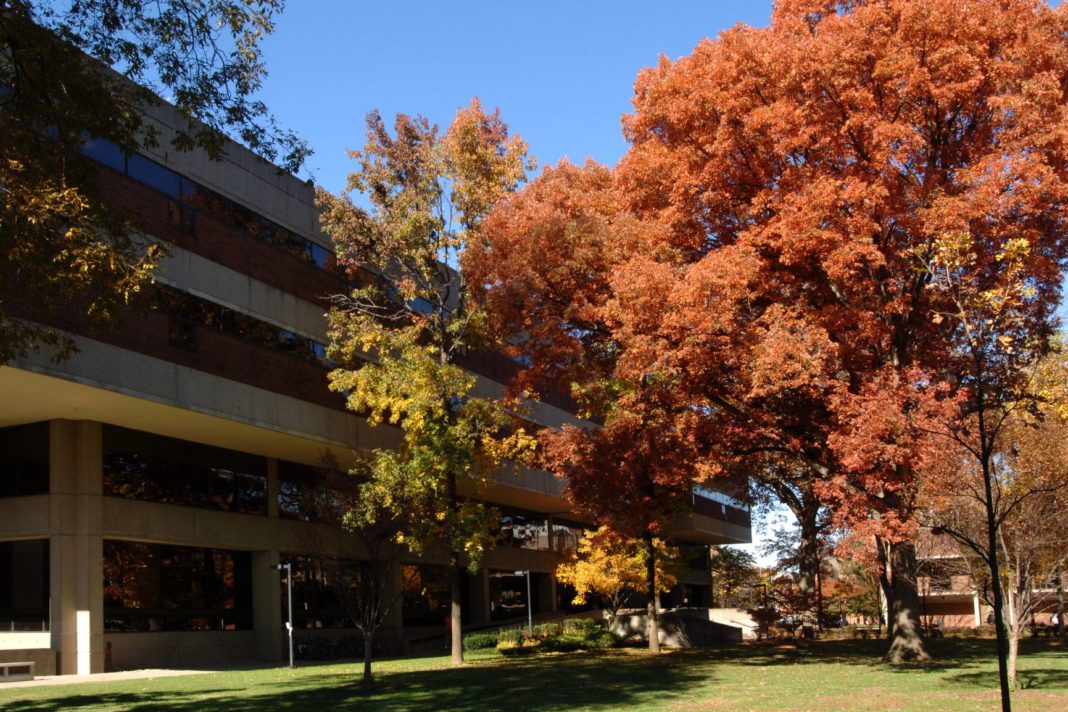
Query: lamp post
{"type": "Point", "coordinates": [288, 568]}
{"type": "Point", "coordinates": [530, 611]}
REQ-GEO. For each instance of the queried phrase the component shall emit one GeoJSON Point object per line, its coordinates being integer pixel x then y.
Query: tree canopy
{"type": "Point", "coordinates": [72, 71]}
{"type": "Point", "coordinates": [761, 252]}
{"type": "Point", "coordinates": [396, 337]}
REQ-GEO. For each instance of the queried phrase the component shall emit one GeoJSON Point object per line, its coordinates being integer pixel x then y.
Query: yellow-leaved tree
{"type": "Point", "coordinates": [396, 338]}
{"type": "Point", "coordinates": [611, 567]}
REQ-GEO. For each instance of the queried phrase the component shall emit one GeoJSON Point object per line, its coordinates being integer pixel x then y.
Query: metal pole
{"type": "Point", "coordinates": [289, 600]}
{"type": "Point", "coordinates": [530, 609]}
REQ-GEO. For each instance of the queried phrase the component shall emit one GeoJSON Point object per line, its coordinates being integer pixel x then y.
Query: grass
{"type": "Point", "coordinates": [824, 675]}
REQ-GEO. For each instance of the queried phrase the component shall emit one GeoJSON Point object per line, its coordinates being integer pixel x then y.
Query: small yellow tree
{"type": "Point", "coordinates": [612, 567]}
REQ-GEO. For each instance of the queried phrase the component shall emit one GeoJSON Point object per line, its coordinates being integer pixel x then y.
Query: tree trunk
{"type": "Point", "coordinates": [887, 591]}
{"type": "Point", "coordinates": [652, 628]}
{"type": "Point", "coordinates": [368, 647]}
{"type": "Point", "coordinates": [1014, 650]}
{"type": "Point", "coordinates": [995, 585]}
{"type": "Point", "coordinates": [903, 625]}
{"type": "Point", "coordinates": [1060, 604]}
{"type": "Point", "coordinates": [808, 564]}
{"type": "Point", "coordinates": [819, 601]}
{"type": "Point", "coordinates": [456, 633]}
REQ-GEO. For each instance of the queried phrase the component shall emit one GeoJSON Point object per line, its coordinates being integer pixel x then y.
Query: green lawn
{"type": "Point", "coordinates": [828, 675]}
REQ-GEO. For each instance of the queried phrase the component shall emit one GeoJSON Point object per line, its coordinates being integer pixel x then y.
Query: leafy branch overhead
{"type": "Point", "coordinates": [82, 69]}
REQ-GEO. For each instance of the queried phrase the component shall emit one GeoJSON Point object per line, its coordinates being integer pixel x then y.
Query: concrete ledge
{"type": "Point", "coordinates": [210, 649]}
{"type": "Point", "coordinates": [683, 628]}
{"type": "Point", "coordinates": [43, 659]}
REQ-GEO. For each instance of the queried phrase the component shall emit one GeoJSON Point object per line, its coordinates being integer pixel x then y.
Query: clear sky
{"type": "Point", "coordinates": [562, 72]}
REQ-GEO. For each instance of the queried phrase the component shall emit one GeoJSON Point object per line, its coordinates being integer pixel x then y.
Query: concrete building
{"type": "Point", "coordinates": [949, 597]}
{"type": "Point", "coordinates": [149, 483]}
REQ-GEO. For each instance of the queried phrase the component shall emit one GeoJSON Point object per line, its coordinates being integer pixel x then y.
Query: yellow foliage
{"type": "Point", "coordinates": [609, 566]}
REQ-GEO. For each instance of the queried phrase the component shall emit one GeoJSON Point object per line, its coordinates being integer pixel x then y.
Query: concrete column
{"type": "Point", "coordinates": [76, 544]}
{"type": "Point", "coordinates": [543, 591]}
{"type": "Point", "coordinates": [977, 609]}
{"type": "Point", "coordinates": [267, 620]}
{"type": "Point", "coordinates": [478, 595]}
{"type": "Point", "coordinates": [272, 487]}
{"type": "Point", "coordinates": [391, 633]}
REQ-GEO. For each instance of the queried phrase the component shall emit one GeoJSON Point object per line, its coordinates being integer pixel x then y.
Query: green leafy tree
{"type": "Point", "coordinates": [735, 577]}
{"type": "Point", "coordinates": [397, 337]}
{"type": "Point", "coordinates": [59, 242]}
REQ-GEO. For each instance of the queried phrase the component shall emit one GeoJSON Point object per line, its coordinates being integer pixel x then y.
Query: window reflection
{"type": "Point", "coordinates": [325, 592]}
{"type": "Point", "coordinates": [187, 312]}
{"type": "Point", "coordinates": [190, 196]}
{"type": "Point", "coordinates": [154, 587]}
{"type": "Point", "coordinates": [425, 591]}
{"type": "Point", "coordinates": [524, 530]}
{"type": "Point", "coordinates": [154, 468]}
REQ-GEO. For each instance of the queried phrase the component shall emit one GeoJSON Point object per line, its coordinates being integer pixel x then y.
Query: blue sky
{"type": "Point", "coordinates": [561, 72]}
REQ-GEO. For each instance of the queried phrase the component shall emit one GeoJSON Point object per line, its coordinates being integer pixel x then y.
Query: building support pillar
{"type": "Point", "coordinates": [544, 592]}
{"type": "Point", "coordinates": [391, 632]}
{"type": "Point", "coordinates": [272, 487]}
{"type": "Point", "coordinates": [478, 595]}
{"type": "Point", "coordinates": [976, 608]}
{"type": "Point", "coordinates": [76, 545]}
{"type": "Point", "coordinates": [267, 620]}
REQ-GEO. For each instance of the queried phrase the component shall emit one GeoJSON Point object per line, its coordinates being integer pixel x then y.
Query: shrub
{"type": "Point", "coordinates": [574, 634]}
{"type": "Point", "coordinates": [510, 638]}
{"type": "Point", "coordinates": [480, 641]}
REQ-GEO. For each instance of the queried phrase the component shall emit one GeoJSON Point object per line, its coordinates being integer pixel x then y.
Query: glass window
{"type": "Point", "coordinates": [24, 460]}
{"type": "Point", "coordinates": [24, 585]}
{"type": "Point", "coordinates": [147, 171]}
{"type": "Point", "coordinates": [566, 535]}
{"type": "Point", "coordinates": [508, 595]}
{"type": "Point", "coordinates": [425, 595]}
{"type": "Point", "coordinates": [106, 152]}
{"type": "Point", "coordinates": [187, 311]}
{"type": "Point", "coordinates": [322, 257]}
{"type": "Point", "coordinates": [325, 592]}
{"type": "Point", "coordinates": [524, 530]}
{"type": "Point", "coordinates": [154, 587]}
{"type": "Point", "coordinates": [297, 485]}
{"type": "Point", "coordinates": [206, 201]}
{"type": "Point", "coordinates": [181, 216]}
{"type": "Point", "coordinates": [154, 468]}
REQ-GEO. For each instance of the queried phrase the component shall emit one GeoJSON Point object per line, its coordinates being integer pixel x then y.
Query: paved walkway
{"type": "Point", "coordinates": [99, 677]}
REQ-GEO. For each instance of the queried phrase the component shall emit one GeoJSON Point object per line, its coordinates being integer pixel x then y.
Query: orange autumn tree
{"type": "Point", "coordinates": [544, 267]}
{"type": "Point", "coordinates": [804, 172]}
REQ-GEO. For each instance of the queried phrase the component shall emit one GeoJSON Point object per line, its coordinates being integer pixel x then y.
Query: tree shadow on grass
{"type": "Point", "coordinates": [539, 683]}
{"type": "Point", "coordinates": [1045, 679]}
{"type": "Point", "coordinates": [946, 653]}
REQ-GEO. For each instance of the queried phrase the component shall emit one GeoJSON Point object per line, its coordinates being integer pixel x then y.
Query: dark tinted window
{"type": "Point", "coordinates": [24, 587]}
{"type": "Point", "coordinates": [147, 171]}
{"type": "Point", "coordinates": [196, 196]}
{"type": "Point", "coordinates": [24, 460]}
{"type": "Point", "coordinates": [154, 468]}
{"type": "Point", "coordinates": [325, 592]}
{"type": "Point", "coordinates": [187, 312]}
{"type": "Point", "coordinates": [107, 153]}
{"type": "Point", "coordinates": [153, 587]}
{"type": "Point", "coordinates": [425, 592]}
